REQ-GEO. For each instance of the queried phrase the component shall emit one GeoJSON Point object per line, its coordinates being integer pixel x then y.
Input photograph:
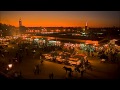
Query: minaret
{"type": "Point", "coordinates": [20, 22]}
{"type": "Point", "coordinates": [86, 26]}
{"type": "Point", "coordinates": [20, 25]}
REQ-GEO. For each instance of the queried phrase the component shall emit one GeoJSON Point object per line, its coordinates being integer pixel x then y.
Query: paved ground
{"type": "Point", "coordinates": [100, 70]}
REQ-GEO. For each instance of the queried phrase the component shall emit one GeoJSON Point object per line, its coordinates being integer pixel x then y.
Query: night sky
{"type": "Point", "coordinates": [61, 18]}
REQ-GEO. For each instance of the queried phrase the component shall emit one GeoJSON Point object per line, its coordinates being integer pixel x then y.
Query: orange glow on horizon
{"type": "Point", "coordinates": [58, 18]}
{"type": "Point", "coordinates": [54, 23]}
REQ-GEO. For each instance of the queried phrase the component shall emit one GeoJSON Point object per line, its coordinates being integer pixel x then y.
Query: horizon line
{"type": "Point", "coordinates": [65, 26]}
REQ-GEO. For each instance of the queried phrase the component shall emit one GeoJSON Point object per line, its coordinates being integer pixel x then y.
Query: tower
{"type": "Point", "coordinates": [20, 22]}
{"type": "Point", "coordinates": [20, 25]}
{"type": "Point", "coordinates": [86, 26]}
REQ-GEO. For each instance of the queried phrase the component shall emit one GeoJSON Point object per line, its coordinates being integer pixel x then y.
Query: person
{"type": "Point", "coordinates": [20, 74]}
{"type": "Point", "coordinates": [16, 74]}
{"type": "Point", "coordinates": [84, 68]}
{"type": "Point", "coordinates": [70, 74]}
{"type": "Point", "coordinates": [77, 69]}
{"type": "Point", "coordinates": [40, 57]}
{"type": "Point", "coordinates": [66, 76]}
{"type": "Point", "coordinates": [35, 69]}
{"type": "Point", "coordinates": [34, 52]}
{"type": "Point", "coordinates": [82, 71]}
{"type": "Point", "coordinates": [86, 62]}
{"type": "Point", "coordinates": [38, 69]}
{"type": "Point", "coordinates": [51, 75]}
{"type": "Point", "coordinates": [41, 61]}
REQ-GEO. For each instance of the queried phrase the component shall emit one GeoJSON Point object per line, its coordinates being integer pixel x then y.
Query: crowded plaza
{"type": "Point", "coordinates": [74, 59]}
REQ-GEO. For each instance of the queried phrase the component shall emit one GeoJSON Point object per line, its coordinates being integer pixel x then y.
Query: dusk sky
{"type": "Point", "coordinates": [61, 18]}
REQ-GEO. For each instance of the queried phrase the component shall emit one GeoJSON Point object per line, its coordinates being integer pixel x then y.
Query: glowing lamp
{"type": "Point", "coordinates": [10, 65]}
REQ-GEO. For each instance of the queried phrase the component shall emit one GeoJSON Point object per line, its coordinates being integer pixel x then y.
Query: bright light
{"type": "Point", "coordinates": [10, 65]}
{"type": "Point", "coordinates": [36, 39]}
{"type": "Point", "coordinates": [115, 45]}
{"type": "Point", "coordinates": [106, 45]}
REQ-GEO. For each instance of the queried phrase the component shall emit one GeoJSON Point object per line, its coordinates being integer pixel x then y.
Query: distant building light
{"type": "Point", "coordinates": [36, 39]}
{"type": "Point", "coordinates": [106, 45]}
{"type": "Point", "coordinates": [99, 33]}
{"type": "Point", "coordinates": [83, 33]}
{"type": "Point", "coordinates": [116, 45]}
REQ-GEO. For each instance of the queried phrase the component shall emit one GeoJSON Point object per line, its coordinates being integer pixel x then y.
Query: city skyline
{"type": "Point", "coordinates": [61, 18]}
